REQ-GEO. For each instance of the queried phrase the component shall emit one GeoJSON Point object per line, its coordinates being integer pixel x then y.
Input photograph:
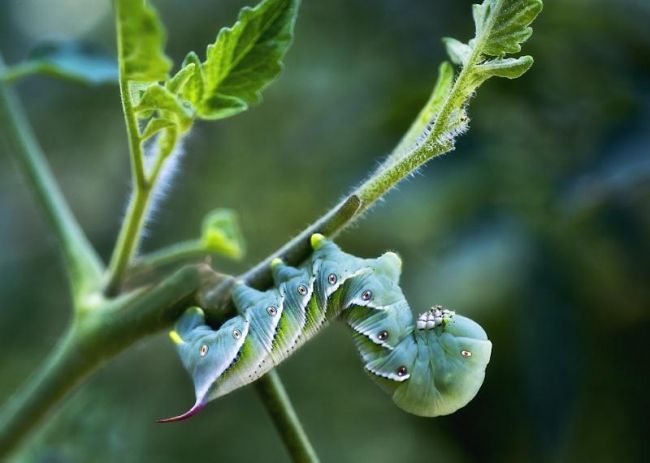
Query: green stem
{"type": "Point", "coordinates": [135, 144]}
{"type": "Point", "coordinates": [396, 168]}
{"type": "Point", "coordinates": [69, 363]}
{"type": "Point", "coordinates": [191, 249]}
{"type": "Point", "coordinates": [276, 400]}
{"type": "Point", "coordinates": [16, 72]}
{"type": "Point", "coordinates": [127, 240]}
{"type": "Point", "coordinates": [82, 263]}
{"type": "Point", "coordinates": [130, 233]}
{"type": "Point", "coordinates": [143, 185]}
{"type": "Point", "coordinates": [95, 337]}
{"type": "Point", "coordinates": [337, 219]}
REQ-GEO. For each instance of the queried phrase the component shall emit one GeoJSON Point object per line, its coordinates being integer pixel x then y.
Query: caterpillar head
{"type": "Point", "coordinates": [439, 368]}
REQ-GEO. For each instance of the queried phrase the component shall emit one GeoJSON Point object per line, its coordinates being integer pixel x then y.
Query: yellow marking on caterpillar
{"type": "Point", "coordinates": [174, 336]}
{"type": "Point", "coordinates": [275, 262]}
{"type": "Point", "coordinates": [316, 240]}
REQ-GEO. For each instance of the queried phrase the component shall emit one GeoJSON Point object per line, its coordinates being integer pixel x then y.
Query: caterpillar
{"type": "Point", "coordinates": [431, 367]}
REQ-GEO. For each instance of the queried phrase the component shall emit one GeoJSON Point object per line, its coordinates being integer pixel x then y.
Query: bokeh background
{"type": "Point", "coordinates": [537, 226]}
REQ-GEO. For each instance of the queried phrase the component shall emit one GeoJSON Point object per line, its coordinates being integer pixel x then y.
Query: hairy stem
{"type": "Point", "coordinates": [129, 235]}
{"type": "Point", "coordinates": [127, 240]}
{"type": "Point", "coordinates": [135, 145]}
{"type": "Point", "coordinates": [82, 263]}
{"type": "Point", "coordinates": [276, 400]}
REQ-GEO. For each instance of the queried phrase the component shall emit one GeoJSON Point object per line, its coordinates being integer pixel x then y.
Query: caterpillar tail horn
{"type": "Point", "coordinates": [184, 416]}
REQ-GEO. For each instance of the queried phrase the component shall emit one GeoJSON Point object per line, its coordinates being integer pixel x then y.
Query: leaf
{"type": "Point", "coordinates": [167, 141]}
{"type": "Point", "coordinates": [457, 50]}
{"type": "Point", "coordinates": [141, 38]}
{"type": "Point", "coordinates": [192, 91]}
{"type": "Point", "coordinates": [510, 68]}
{"type": "Point", "coordinates": [246, 57]}
{"type": "Point", "coordinates": [221, 233]}
{"type": "Point", "coordinates": [155, 125]}
{"type": "Point", "coordinates": [221, 106]}
{"type": "Point", "coordinates": [177, 83]}
{"type": "Point", "coordinates": [510, 24]}
{"type": "Point", "coordinates": [430, 110]}
{"type": "Point", "coordinates": [160, 99]}
{"type": "Point", "coordinates": [501, 27]}
{"type": "Point", "coordinates": [72, 61]}
{"type": "Point", "coordinates": [442, 87]}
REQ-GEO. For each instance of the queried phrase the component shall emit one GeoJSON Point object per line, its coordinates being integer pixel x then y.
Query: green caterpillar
{"type": "Point", "coordinates": [431, 367]}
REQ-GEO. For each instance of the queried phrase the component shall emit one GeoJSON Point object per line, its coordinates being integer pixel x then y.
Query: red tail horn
{"type": "Point", "coordinates": [188, 414]}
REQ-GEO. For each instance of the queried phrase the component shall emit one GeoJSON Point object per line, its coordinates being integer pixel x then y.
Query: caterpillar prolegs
{"type": "Point", "coordinates": [431, 367]}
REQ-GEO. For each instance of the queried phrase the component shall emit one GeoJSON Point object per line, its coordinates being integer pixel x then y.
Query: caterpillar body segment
{"type": "Point", "coordinates": [431, 366]}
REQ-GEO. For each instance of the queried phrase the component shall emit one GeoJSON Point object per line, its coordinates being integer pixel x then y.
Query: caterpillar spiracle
{"type": "Point", "coordinates": [431, 366]}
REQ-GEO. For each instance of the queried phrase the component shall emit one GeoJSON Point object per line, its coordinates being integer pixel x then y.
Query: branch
{"type": "Point", "coordinates": [277, 402]}
{"type": "Point", "coordinates": [184, 250]}
{"type": "Point", "coordinates": [83, 266]}
{"type": "Point", "coordinates": [130, 232]}
{"type": "Point", "coordinates": [95, 337]}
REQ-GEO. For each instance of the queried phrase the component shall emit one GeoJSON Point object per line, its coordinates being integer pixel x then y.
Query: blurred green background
{"type": "Point", "coordinates": [537, 226]}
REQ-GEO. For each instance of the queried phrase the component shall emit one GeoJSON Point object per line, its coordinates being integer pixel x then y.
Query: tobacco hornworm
{"type": "Point", "coordinates": [431, 367]}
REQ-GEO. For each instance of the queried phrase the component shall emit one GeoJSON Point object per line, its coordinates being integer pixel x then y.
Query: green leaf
{"type": "Point", "coordinates": [501, 27]}
{"type": "Point", "coordinates": [192, 91]}
{"type": "Point", "coordinates": [75, 62]}
{"type": "Point", "coordinates": [442, 87]}
{"type": "Point", "coordinates": [245, 58]}
{"type": "Point", "coordinates": [221, 233]}
{"type": "Point", "coordinates": [177, 83]}
{"type": "Point", "coordinates": [506, 23]}
{"type": "Point", "coordinates": [221, 106]}
{"type": "Point", "coordinates": [157, 98]}
{"type": "Point", "coordinates": [458, 51]}
{"type": "Point", "coordinates": [140, 38]}
{"type": "Point", "coordinates": [167, 141]}
{"type": "Point", "coordinates": [510, 68]}
{"type": "Point", "coordinates": [155, 125]}
{"type": "Point", "coordinates": [430, 110]}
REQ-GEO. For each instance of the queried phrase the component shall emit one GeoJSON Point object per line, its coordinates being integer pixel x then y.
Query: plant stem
{"type": "Point", "coordinates": [130, 233]}
{"type": "Point", "coordinates": [93, 338]}
{"type": "Point", "coordinates": [276, 400]}
{"type": "Point", "coordinates": [127, 241]}
{"type": "Point", "coordinates": [135, 145]}
{"type": "Point", "coordinates": [191, 249]}
{"type": "Point", "coordinates": [14, 73]}
{"type": "Point", "coordinates": [396, 168]}
{"type": "Point", "coordinates": [82, 263]}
